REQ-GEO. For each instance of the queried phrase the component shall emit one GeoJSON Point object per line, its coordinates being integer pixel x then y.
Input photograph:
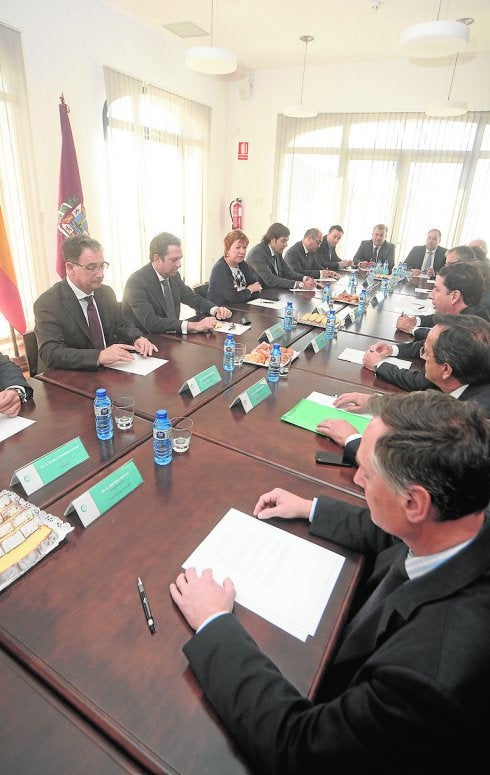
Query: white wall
{"type": "Point", "coordinates": [66, 44]}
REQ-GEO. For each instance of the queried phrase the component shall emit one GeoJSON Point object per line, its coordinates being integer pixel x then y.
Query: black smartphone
{"type": "Point", "coordinates": [331, 459]}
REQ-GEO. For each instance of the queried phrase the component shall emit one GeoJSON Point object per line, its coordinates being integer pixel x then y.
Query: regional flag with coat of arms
{"type": "Point", "coordinates": [71, 211]}
{"type": "Point", "coordinates": [10, 303]}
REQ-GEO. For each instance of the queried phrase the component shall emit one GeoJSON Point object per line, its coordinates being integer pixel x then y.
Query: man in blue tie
{"type": "Point", "coordinates": [407, 688]}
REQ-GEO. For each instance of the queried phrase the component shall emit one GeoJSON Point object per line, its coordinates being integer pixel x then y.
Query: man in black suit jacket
{"type": "Point", "coordinates": [429, 257]}
{"type": "Point", "coordinates": [154, 293]}
{"type": "Point", "coordinates": [376, 249]}
{"type": "Point", "coordinates": [14, 388]}
{"type": "Point", "coordinates": [302, 257]}
{"type": "Point", "coordinates": [78, 322]}
{"type": "Point", "coordinates": [407, 688]}
{"type": "Point", "coordinates": [327, 252]}
{"type": "Point", "coordinates": [267, 261]}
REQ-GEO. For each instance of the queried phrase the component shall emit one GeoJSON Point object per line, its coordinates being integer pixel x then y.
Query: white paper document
{"type": "Point", "coordinates": [266, 303]}
{"type": "Point", "coordinates": [9, 426]}
{"type": "Point", "coordinates": [139, 365]}
{"type": "Point", "coordinates": [223, 327]}
{"type": "Point", "coordinates": [401, 304]}
{"type": "Point", "coordinates": [356, 356]}
{"type": "Point", "coordinates": [285, 579]}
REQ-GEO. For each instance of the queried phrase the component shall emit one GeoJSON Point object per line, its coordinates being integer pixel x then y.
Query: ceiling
{"type": "Point", "coordinates": [265, 33]}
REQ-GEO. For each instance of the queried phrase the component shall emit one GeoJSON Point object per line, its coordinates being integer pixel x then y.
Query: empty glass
{"type": "Point", "coordinates": [181, 433]}
{"type": "Point", "coordinates": [123, 412]}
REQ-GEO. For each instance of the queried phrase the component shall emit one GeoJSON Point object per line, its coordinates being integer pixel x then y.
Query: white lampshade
{"type": "Point", "coordinates": [300, 111]}
{"type": "Point", "coordinates": [210, 60]}
{"type": "Point", "coordinates": [447, 109]}
{"type": "Point", "coordinates": [434, 39]}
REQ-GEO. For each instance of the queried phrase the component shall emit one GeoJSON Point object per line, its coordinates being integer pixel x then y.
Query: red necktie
{"type": "Point", "coordinates": [94, 324]}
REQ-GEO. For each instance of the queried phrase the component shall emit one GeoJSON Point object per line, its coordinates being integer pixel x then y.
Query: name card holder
{"type": "Point", "coordinates": [253, 396]}
{"type": "Point", "coordinates": [106, 493]}
{"type": "Point", "coordinates": [318, 343]}
{"type": "Point", "coordinates": [202, 381]}
{"type": "Point", "coordinates": [273, 333]}
{"type": "Point", "coordinates": [51, 466]}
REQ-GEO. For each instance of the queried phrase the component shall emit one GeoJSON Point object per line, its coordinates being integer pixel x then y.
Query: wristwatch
{"type": "Point", "coordinates": [20, 392]}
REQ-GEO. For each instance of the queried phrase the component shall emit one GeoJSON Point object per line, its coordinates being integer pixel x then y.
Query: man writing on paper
{"type": "Point", "coordinates": [407, 689]}
{"type": "Point", "coordinates": [78, 321]}
{"type": "Point", "coordinates": [154, 293]}
{"type": "Point", "coordinates": [14, 388]}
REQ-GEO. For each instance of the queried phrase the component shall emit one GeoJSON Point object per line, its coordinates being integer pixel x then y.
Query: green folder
{"type": "Point", "coordinates": [307, 414]}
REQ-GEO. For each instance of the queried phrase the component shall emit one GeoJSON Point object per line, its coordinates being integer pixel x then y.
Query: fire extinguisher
{"type": "Point", "coordinates": [236, 212]}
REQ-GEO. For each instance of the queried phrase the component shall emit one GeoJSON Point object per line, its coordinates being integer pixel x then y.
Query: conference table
{"type": "Point", "coordinates": [39, 733]}
{"type": "Point", "coordinates": [76, 622]}
{"type": "Point", "coordinates": [60, 416]}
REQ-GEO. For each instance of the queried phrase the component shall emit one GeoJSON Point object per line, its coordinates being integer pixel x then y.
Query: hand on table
{"type": "Point", "coordinates": [337, 430]}
{"type": "Point", "coordinates": [345, 262]}
{"type": "Point", "coordinates": [115, 353]}
{"type": "Point", "coordinates": [352, 402]}
{"type": "Point", "coordinates": [406, 323]}
{"type": "Point", "coordinates": [200, 326]}
{"type": "Point", "coordinates": [10, 402]}
{"type": "Point", "coordinates": [143, 346]}
{"type": "Point", "coordinates": [309, 284]}
{"type": "Point", "coordinates": [255, 287]}
{"type": "Point", "coordinates": [281, 503]}
{"type": "Point", "coordinates": [371, 359]}
{"type": "Point", "coordinates": [200, 597]}
{"type": "Point", "coordinates": [382, 348]}
{"type": "Point", "coordinates": [222, 313]}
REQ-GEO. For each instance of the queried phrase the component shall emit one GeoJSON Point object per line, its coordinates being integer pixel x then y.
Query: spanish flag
{"type": "Point", "coordinates": [10, 303]}
{"type": "Point", "coordinates": [71, 210]}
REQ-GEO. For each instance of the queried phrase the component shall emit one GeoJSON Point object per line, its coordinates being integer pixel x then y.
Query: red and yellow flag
{"type": "Point", "coordinates": [71, 210]}
{"type": "Point", "coordinates": [10, 303]}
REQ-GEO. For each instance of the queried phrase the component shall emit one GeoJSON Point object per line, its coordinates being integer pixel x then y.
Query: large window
{"type": "Point", "coordinates": [411, 172]}
{"type": "Point", "coordinates": [157, 163]}
{"type": "Point", "coordinates": [18, 192]}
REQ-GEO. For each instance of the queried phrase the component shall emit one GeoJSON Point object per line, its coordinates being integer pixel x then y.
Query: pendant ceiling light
{"type": "Point", "coordinates": [300, 110]}
{"type": "Point", "coordinates": [209, 59]}
{"type": "Point", "coordinates": [450, 107]}
{"type": "Point", "coordinates": [437, 38]}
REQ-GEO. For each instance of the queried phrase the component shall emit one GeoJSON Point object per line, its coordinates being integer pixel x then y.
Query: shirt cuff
{"type": "Point", "coordinates": [211, 619]}
{"type": "Point", "coordinates": [394, 350]}
{"type": "Point", "coordinates": [183, 327]}
{"type": "Point", "coordinates": [212, 311]}
{"type": "Point", "coordinates": [417, 322]}
{"type": "Point", "coordinates": [352, 437]}
{"type": "Point", "coordinates": [312, 512]}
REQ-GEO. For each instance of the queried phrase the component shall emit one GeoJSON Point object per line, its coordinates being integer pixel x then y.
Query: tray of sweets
{"type": "Point", "coordinates": [260, 355]}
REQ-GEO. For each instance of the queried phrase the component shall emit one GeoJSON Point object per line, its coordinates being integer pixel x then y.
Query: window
{"type": "Point", "coordinates": [157, 148]}
{"type": "Point", "coordinates": [18, 192]}
{"type": "Point", "coordinates": [411, 172]}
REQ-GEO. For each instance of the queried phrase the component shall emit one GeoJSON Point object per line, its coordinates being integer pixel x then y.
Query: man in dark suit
{"type": "Point", "coordinates": [14, 388]}
{"type": "Point", "coordinates": [457, 362]}
{"type": "Point", "coordinates": [78, 322]}
{"type": "Point", "coordinates": [303, 256]}
{"type": "Point", "coordinates": [327, 251]}
{"type": "Point", "coordinates": [267, 261]}
{"type": "Point", "coordinates": [376, 249]}
{"type": "Point", "coordinates": [407, 688]}
{"type": "Point", "coordinates": [154, 293]}
{"type": "Point", "coordinates": [429, 257]}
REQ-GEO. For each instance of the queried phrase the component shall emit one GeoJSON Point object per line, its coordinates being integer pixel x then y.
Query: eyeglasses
{"type": "Point", "coordinates": [92, 267]}
{"type": "Point", "coordinates": [424, 354]}
{"type": "Point", "coordinates": [318, 241]}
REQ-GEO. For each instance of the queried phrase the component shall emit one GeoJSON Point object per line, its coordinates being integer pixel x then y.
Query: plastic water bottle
{"type": "Point", "coordinates": [330, 327]}
{"type": "Point", "coordinates": [162, 438]}
{"type": "Point", "coordinates": [288, 316]}
{"type": "Point", "coordinates": [103, 415]}
{"type": "Point", "coordinates": [362, 302]}
{"type": "Point", "coordinates": [385, 267]}
{"type": "Point", "coordinates": [384, 286]}
{"type": "Point", "coordinates": [370, 275]}
{"type": "Point", "coordinates": [326, 294]}
{"type": "Point", "coordinates": [352, 284]}
{"type": "Point", "coordinates": [274, 363]}
{"type": "Point", "coordinates": [229, 353]}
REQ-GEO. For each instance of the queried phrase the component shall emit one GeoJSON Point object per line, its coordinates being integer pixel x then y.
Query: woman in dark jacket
{"type": "Point", "coordinates": [232, 279]}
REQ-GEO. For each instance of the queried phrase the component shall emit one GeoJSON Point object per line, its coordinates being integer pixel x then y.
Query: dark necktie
{"type": "Point", "coordinates": [395, 577]}
{"type": "Point", "coordinates": [169, 299]}
{"type": "Point", "coordinates": [427, 261]}
{"type": "Point", "coordinates": [375, 254]}
{"type": "Point", "coordinates": [94, 326]}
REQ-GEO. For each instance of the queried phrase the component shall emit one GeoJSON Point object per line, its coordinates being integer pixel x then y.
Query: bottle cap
{"type": "Point", "coordinates": [101, 392]}
{"type": "Point", "coordinates": [162, 414]}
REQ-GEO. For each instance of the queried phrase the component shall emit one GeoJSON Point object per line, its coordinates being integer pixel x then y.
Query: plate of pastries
{"type": "Point", "coordinates": [260, 355]}
{"type": "Point", "coordinates": [314, 319]}
{"type": "Point", "coordinates": [347, 298]}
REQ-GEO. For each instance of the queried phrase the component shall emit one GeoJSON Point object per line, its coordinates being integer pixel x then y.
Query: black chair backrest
{"type": "Point", "coordinates": [30, 344]}
{"type": "Point", "coordinates": [202, 290]}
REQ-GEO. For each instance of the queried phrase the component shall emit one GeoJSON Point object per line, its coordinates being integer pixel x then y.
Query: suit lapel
{"type": "Point", "coordinates": [74, 310]}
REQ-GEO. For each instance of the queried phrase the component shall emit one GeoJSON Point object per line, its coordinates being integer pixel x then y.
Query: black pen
{"type": "Point", "coordinates": [146, 607]}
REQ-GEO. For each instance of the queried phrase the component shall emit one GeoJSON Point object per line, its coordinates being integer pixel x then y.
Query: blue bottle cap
{"type": "Point", "coordinates": [162, 414]}
{"type": "Point", "coordinates": [101, 392]}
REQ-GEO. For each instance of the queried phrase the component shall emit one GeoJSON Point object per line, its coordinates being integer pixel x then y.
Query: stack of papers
{"type": "Point", "coordinates": [285, 579]}
{"type": "Point", "coordinates": [139, 365]}
{"type": "Point", "coordinates": [356, 356]}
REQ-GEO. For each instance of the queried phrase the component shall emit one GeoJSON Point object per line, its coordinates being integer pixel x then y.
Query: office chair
{"type": "Point", "coordinates": [30, 344]}
{"type": "Point", "coordinates": [202, 289]}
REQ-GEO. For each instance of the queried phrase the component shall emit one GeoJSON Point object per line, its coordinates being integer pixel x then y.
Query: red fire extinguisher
{"type": "Point", "coordinates": [236, 212]}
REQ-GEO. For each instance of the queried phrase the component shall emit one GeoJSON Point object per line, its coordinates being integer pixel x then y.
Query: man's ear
{"type": "Point", "coordinates": [418, 504]}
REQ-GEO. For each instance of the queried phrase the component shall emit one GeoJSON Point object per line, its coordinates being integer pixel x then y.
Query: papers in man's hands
{"type": "Point", "coordinates": [285, 579]}
{"type": "Point", "coordinates": [355, 356]}
{"type": "Point", "coordinates": [139, 365]}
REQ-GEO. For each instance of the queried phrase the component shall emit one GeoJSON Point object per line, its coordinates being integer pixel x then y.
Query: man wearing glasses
{"type": "Point", "coordinates": [303, 257]}
{"type": "Point", "coordinates": [78, 321]}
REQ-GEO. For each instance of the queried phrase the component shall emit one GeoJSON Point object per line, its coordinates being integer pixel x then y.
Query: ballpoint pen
{"type": "Point", "coordinates": [146, 607]}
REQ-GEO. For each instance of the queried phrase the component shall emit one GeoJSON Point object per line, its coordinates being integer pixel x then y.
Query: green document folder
{"type": "Point", "coordinates": [307, 414]}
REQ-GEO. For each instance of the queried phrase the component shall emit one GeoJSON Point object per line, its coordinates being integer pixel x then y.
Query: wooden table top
{"type": "Point", "coordinates": [76, 621]}
{"type": "Point", "coordinates": [158, 390]}
{"type": "Point", "coordinates": [60, 416]}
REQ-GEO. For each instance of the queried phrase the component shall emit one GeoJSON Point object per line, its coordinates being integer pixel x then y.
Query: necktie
{"type": "Point", "coordinates": [375, 254]}
{"type": "Point", "coordinates": [96, 333]}
{"type": "Point", "coordinates": [427, 260]}
{"type": "Point", "coordinates": [169, 299]}
{"type": "Point", "coordinates": [393, 579]}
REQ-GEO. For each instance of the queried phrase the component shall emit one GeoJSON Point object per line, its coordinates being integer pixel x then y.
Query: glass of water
{"type": "Point", "coordinates": [123, 412]}
{"type": "Point", "coordinates": [181, 433]}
